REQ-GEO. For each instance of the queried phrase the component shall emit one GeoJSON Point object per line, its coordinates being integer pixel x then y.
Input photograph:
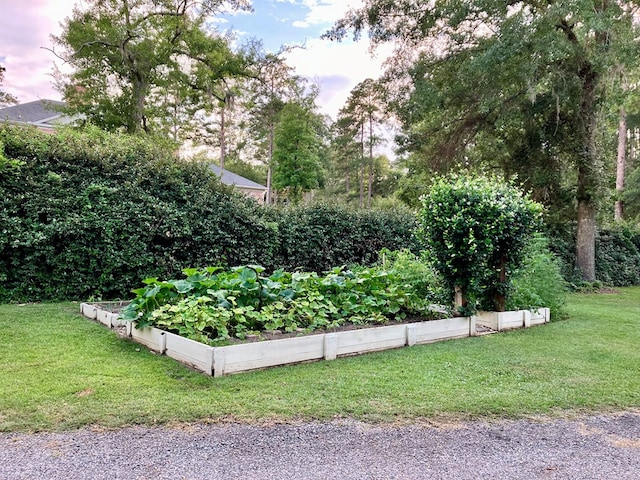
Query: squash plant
{"type": "Point", "coordinates": [213, 305]}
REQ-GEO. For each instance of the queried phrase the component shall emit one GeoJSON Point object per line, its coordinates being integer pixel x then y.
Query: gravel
{"type": "Point", "coordinates": [593, 447]}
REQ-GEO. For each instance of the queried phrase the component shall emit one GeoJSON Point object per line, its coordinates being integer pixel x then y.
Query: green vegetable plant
{"type": "Point", "coordinates": [215, 305]}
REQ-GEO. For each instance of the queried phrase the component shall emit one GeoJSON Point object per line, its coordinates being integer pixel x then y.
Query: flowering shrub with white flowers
{"type": "Point", "coordinates": [476, 229]}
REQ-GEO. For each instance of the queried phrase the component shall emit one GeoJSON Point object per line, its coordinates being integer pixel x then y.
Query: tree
{"type": "Point", "coordinates": [297, 151]}
{"type": "Point", "coordinates": [362, 112]}
{"type": "Point", "coordinates": [272, 86]}
{"type": "Point", "coordinates": [345, 152]}
{"type": "Point", "coordinates": [123, 50]}
{"type": "Point", "coordinates": [525, 73]}
{"type": "Point", "coordinates": [5, 97]}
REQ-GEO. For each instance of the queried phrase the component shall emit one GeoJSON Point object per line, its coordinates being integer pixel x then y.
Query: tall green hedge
{"type": "Point", "coordinates": [617, 256]}
{"type": "Point", "coordinates": [89, 214]}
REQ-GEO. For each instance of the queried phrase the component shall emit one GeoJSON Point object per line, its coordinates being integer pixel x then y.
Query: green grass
{"type": "Point", "coordinates": [60, 371]}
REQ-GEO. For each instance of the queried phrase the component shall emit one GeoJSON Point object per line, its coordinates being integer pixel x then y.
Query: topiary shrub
{"type": "Point", "coordinates": [476, 229]}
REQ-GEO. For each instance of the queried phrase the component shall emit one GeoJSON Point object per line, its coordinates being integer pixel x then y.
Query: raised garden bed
{"type": "Point", "coordinates": [219, 361]}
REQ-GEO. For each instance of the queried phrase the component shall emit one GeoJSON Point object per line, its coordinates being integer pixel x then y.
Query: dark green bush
{"type": "Point", "coordinates": [89, 214]}
{"type": "Point", "coordinates": [476, 228]}
{"type": "Point", "coordinates": [319, 237]}
{"type": "Point", "coordinates": [617, 256]}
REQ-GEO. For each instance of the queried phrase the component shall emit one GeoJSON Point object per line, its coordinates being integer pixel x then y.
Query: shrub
{"type": "Point", "coordinates": [476, 230]}
{"type": "Point", "coordinates": [618, 257]}
{"type": "Point", "coordinates": [87, 214]}
{"type": "Point", "coordinates": [319, 237]}
{"type": "Point", "coordinates": [538, 282]}
{"type": "Point", "coordinates": [416, 272]}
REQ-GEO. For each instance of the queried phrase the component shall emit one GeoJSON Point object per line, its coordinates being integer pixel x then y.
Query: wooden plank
{"type": "Point", "coordinates": [250, 356]}
{"type": "Point", "coordinates": [218, 362]}
{"type": "Point", "coordinates": [539, 316]}
{"type": "Point", "coordinates": [412, 334]}
{"type": "Point", "coordinates": [487, 319]}
{"type": "Point", "coordinates": [88, 311]}
{"type": "Point", "coordinates": [371, 339]}
{"type": "Point", "coordinates": [434, 330]}
{"type": "Point", "coordinates": [192, 353]}
{"type": "Point", "coordinates": [330, 346]}
{"type": "Point", "coordinates": [150, 337]}
{"type": "Point", "coordinates": [510, 320]}
{"type": "Point", "coordinates": [103, 317]}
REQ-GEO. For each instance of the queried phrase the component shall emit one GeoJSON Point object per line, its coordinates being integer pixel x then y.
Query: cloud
{"type": "Point", "coordinates": [25, 28]}
{"type": "Point", "coordinates": [325, 62]}
{"type": "Point", "coordinates": [323, 12]}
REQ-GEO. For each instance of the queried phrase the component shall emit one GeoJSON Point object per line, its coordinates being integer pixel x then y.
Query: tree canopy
{"type": "Point", "coordinates": [297, 152]}
{"type": "Point", "coordinates": [122, 51]}
{"type": "Point", "coordinates": [516, 85]}
{"type": "Point", "coordinates": [5, 97]}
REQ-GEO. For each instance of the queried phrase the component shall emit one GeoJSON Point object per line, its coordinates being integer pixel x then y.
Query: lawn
{"type": "Point", "coordinates": [59, 371]}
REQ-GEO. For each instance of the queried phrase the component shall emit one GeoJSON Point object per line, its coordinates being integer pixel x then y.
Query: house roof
{"type": "Point", "coordinates": [41, 113]}
{"type": "Point", "coordinates": [230, 178]}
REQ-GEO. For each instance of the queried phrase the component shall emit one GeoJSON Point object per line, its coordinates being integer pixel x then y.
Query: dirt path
{"type": "Point", "coordinates": [591, 447]}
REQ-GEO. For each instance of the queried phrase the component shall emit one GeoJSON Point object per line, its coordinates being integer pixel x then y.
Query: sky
{"type": "Point", "coordinates": [337, 67]}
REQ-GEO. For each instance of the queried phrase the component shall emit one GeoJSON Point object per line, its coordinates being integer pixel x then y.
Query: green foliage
{"type": "Point", "coordinates": [476, 229]}
{"type": "Point", "coordinates": [417, 273]}
{"type": "Point", "coordinates": [538, 282]}
{"type": "Point", "coordinates": [618, 257]}
{"type": "Point", "coordinates": [135, 63]}
{"type": "Point", "coordinates": [297, 167]}
{"type": "Point", "coordinates": [89, 213]}
{"type": "Point", "coordinates": [212, 306]}
{"type": "Point", "coordinates": [531, 98]}
{"type": "Point", "coordinates": [86, 214]}
{"type": "Point", "coordinates": [319, 237]}
{"type": "Point", "coordinates": [5, 97]}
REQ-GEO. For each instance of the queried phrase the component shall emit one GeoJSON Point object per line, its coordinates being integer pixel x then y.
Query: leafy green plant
{"type": "Point", "coordinates": [86, 214]}
{"type": "Point", "coordinates": [538, 282]}
{"type": "Point", "coordinates": [214, 305]}
{"type": "Point", "coordinates": [476, 229]}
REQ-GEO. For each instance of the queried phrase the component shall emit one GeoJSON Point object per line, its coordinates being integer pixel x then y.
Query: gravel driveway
{"type": "Point", "coordinates": [593, 447]}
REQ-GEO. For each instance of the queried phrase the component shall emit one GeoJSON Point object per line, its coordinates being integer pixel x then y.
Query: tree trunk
{"type": "Point", "coordinates": [362, 166]}
{"type": "Point", "coordinates": [587, 162]}
{"type": "Point", "coordinates": [499, 300]}
{"type": "Point", "coordinates": [270, 169]}
{"type": "Point", "coordinates": [585, 241]}
{"type": "Point", "coordinates": [370, 185]}
{"type": "Point", "coordinates": [620, 165]}
{"type": "Point", "coordinates": [347, 181]}
{"type": "Point", "coordinates": [460, 299]}
{"type": "Point", "coordinates": [136, 118]}
{"type": "Point", "coordinates": [223, 147]}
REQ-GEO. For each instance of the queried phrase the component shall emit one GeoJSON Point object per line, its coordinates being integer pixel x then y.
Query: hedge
{"type": "Point", "coordinates": [88, 214]}
{"type": "Point", "coordinates": [617, 256]}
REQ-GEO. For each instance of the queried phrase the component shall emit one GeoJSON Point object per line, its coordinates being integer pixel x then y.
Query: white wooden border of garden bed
{"type": "Point", "coordinates": [219, 361]}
